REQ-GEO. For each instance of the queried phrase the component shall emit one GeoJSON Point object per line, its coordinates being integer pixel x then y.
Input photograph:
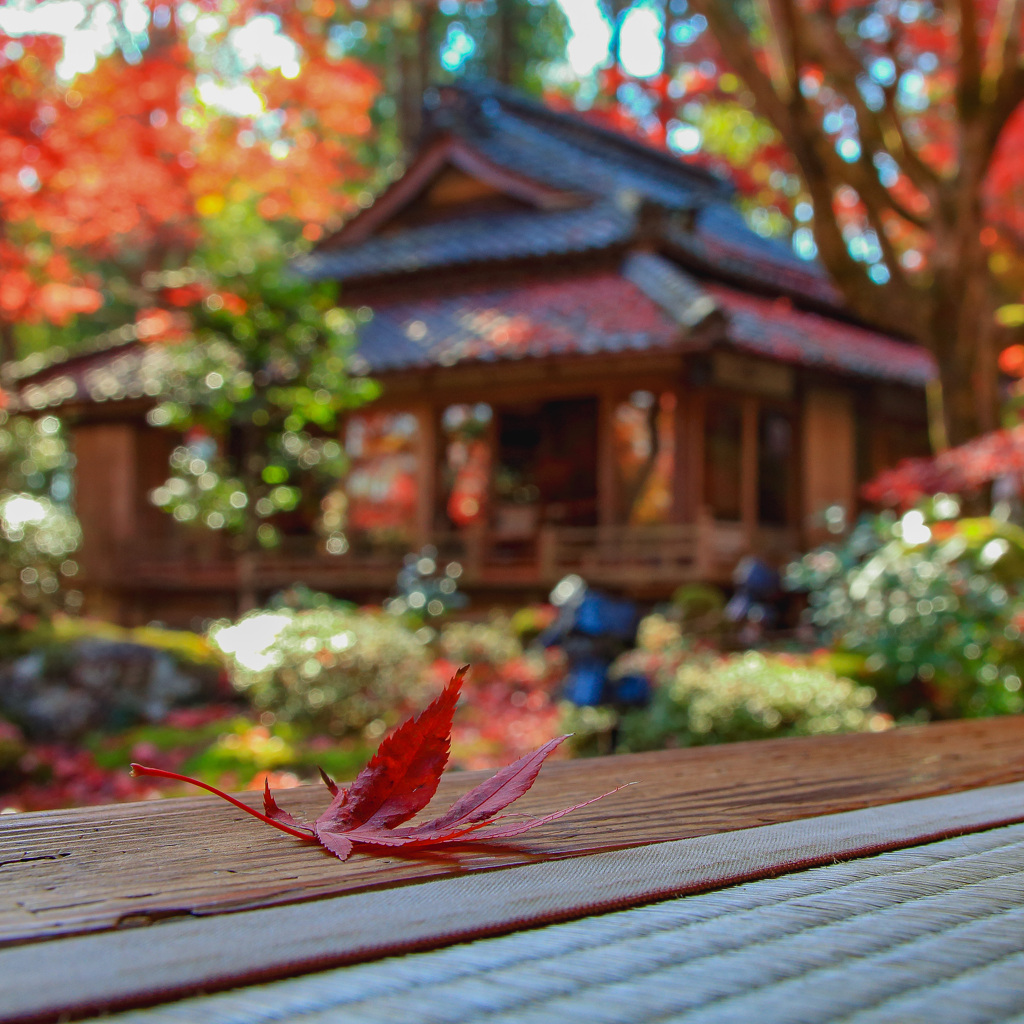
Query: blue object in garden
{"type": "Point", "coordinates": [754, 602]}
{"type": "Point", "coordinates": [598, 615]}
{"type": "Point", "coordinates": [585, 682]}
{"type": "Point", "coordinates": [634, 691]}
{"type": "Point", "coordinates": [593, 629]}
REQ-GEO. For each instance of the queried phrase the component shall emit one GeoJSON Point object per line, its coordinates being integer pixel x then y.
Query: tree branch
{"type": "Point", "coordinates": [924, 177]}
{"type": "Point", "coordinates": [1003, 75]}
{"type": "Point", "coordinates": [782, 44]}
{"type": "Point", "coordinates": [845, 67]}
{"type": "Point", "coordinates": [822, 169]}
{"type": "Point", "coordinates": [968, 85]}
{"type": "Point", "coordinates": [731, 34]}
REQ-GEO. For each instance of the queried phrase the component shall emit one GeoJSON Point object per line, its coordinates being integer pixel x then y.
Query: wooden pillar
{"type": "Point", "coordinates": [427, 453]}
{"type": "Point", "coordinates": [829, 459]}
{"type": "Point", "coordinates": [607, 477]}
{"type": "Point", "coordinates": [688, 486]}
{"type": "Point", "coordinates": [106, 505]}
{"type": "Point", "coordinates": [748, 471]}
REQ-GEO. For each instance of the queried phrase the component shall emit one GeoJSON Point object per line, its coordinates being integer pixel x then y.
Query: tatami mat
{"type": "Point", "coordinates": [931, 934]}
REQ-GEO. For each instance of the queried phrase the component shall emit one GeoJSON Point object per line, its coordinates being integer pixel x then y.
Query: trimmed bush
{"type": "Point", "coordinates": [492, 643]}
{"type": "Point", "coordinates": [338, 670]}
{"type": "Point", "coordinates": [737, 697]}
{"type": "Point", "coordinates": [932, 603]}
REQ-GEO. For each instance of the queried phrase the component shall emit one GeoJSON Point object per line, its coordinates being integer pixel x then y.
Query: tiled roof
{"type": "Point", "coordinates": [568, 153]}
{"type": "Point", "coordinates": [722, 242]}
{"type": "Point", "coordinates": [583, 315]}
{"type": "Point", "coordinates": [602, 168]}
{"type": "Point", "coordinates": [773, 328]}
{"type": "Point", "coordinates": [650, 305]}
{"type": "Point", "coordinates": [675, 291]}
{"type": "Point", "coordinates": [131, 370]}
{"type": "Point", "coordinates": [492, 236]}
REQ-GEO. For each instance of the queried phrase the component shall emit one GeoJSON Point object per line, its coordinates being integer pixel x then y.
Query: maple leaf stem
{"type": "Point", "coordinates": [141, 769]}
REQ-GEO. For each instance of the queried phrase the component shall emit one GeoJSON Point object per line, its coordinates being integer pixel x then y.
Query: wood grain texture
{"type": "Point", "coordinates": [79, 871]}
{"type": "Point", "coordinates": [83, 975]}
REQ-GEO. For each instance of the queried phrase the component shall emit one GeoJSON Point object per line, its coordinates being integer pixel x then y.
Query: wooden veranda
{"type": "Point", "coordinates": [757, 872]}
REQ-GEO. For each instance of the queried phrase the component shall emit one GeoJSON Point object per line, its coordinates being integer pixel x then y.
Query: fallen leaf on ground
{"type": "Point", "coordinates": [400, 781]}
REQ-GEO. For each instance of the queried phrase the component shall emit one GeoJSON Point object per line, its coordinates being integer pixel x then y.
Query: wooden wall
{"type": "Point", "coordinates": [829, 467]}
{"type": "Point", "coordinates": [106, 501]}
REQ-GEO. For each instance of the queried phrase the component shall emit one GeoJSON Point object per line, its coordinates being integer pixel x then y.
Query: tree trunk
{"type": "Point", "coordinates": [503, 21]}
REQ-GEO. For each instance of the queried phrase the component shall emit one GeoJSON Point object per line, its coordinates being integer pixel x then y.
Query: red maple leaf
{"type": "Point", "coordinates": [400, 781]}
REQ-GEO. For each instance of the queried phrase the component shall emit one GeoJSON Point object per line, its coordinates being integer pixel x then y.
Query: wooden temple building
{"type": "Point", "coordinates": [589, 364]}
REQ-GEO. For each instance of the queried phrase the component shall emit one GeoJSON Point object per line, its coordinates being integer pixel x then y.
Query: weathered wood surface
{"type": "Point", "coordinates": [78, 871]}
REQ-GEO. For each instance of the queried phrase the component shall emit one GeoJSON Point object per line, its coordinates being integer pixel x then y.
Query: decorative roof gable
{"type": "Point", "coordinates": [505, 178]}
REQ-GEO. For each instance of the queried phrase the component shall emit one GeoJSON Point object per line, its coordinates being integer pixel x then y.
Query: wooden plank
{"type": "Point", "coordinates": [99, 972]}
{"type": "Point", "coordinates": [93, 869]}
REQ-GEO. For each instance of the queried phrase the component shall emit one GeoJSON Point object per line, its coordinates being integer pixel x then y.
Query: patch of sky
{"type": "Point", "coordinates": [631, 95]}
{"type": "Point", "coordinates": [864, 247]}
{"type": "Point", "coordinates": [60, 17]}
{"type": "Point", "coordinates": [93, 30]}
{"type": "Point", "coordinates": [684, 138]}
{"type": "Point", "coordinates": [641, 47]}
{"type": "Point", "coordinates": [240, 100]}
{"type": "Point", "coordinates": [343, 38]}
{"type": "Point", "coordinates": [803, 244]}
{"type": "Point", "coordinates": [260, 43]}
{"type": "Point", "coordinates": [874, 27]}
{"type": "Point", "coordinates": [912, 90]}
{"type": "Point", "coordinates": [871, 92]}
{"type": "Point", "coordinates": [28, 179]}
{"type": "Point", "coordinates": [761, 222]}
{"type": "Point", "coordinates": [888, 169]}
{"type": "Point", "coordinates": [590, 35]}
{"type": "Point", "coordinates": [641, 36]}
{"type": "Point", "coordinates": [458, 47]}
{"type": "Point", "coordinates": [849, 150]}
{"type": "Point", "coordinates": [683, 33]}
{"type": "Point", "coordinates": [883, 71]}
{"type": "Point", "coordinates": [833, 122]}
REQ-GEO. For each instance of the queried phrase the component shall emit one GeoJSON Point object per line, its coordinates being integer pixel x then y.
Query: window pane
{"type": "Point", "coordinates": [644, 442]}
{"type": "Point", "coordinates": [381, 485]}
{"type": "Point", "coordinates": [466, 469]}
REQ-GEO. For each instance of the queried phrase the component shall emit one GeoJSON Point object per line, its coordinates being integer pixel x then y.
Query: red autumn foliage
{"type": "Point", "coordinates": [398, 783]}
{"type": "Point", "coordinates": [959, 470]}
{"type": "Point", "coordinates": [122, 166]}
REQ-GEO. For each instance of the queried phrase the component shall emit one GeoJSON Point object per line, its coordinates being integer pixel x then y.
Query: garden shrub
{"type": "Point", "coordinates": [699, 607]}
{"type": "Point", "coordinates": [492, 643]}
{"type": "Point", "coordinates": [530, 621]}
{"type": "Point", "coordinates": [85, 674]}
{"type": "Point", "coordinates": [339, 670]}
{"type": "Point", "coordinates": [738, 697]}
{"type": "Point", "coordinates": [38, 530]}
{"type": "Point", "coordinates": [661, 647]}
{"type": "Point", "coordinates": [12, 746]}
{"type": "Point", "coordinates": [187, 648]}
{"type": "Point", "coordinates": [932, 603]}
